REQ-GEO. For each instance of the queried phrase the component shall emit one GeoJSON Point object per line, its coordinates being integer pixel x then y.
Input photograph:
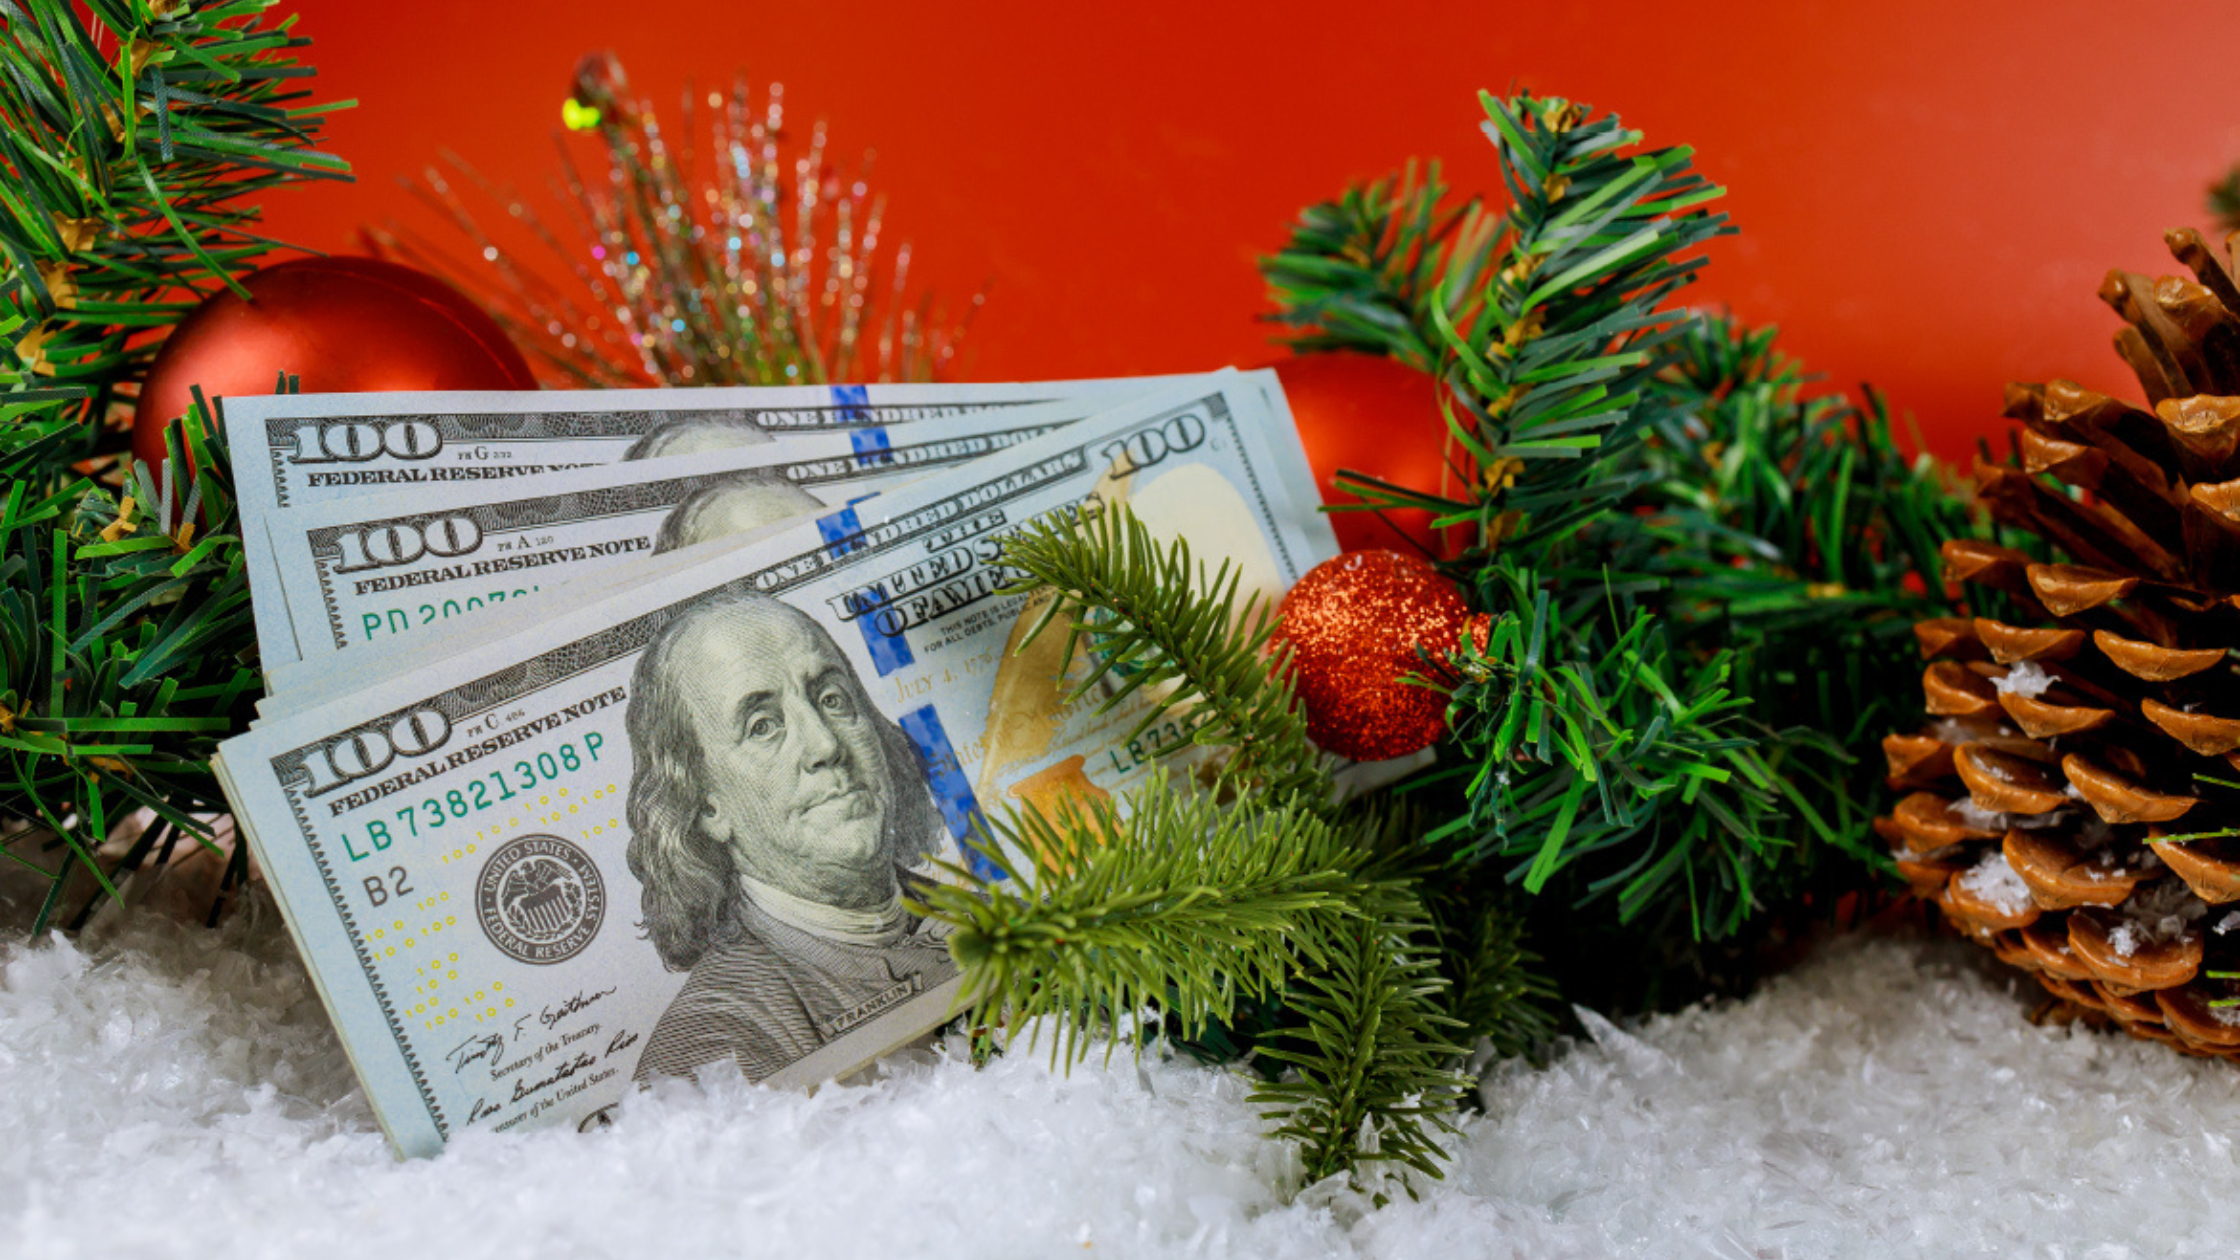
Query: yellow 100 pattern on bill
{"type": "Point", "coordinates": [440, 996]}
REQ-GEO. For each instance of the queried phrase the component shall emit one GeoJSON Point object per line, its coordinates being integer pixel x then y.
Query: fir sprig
{"type": "Point", "coordinates": [1371, 1049]}
{"type": "Point", "coordinates": [123, 637]}
{"type": "Point", "coordinates": [1185, 907]}
{"type": "Point", "coordinates": [1172, 631]}
{"type": "Point", "coordinates": [1701, 581]}
{"type": "Point", "coordinates": [1581, 742]}
{"type": "Point", "coordinates": [1361, 272]}
{"type": "Point", "coordinates": [1548, 324]}
{"type": "Point", "coordinates": [1181, 906]}
{"type": "Point", "coordinates": [1569, 316]}
{"type": "Point", "coordinates": [1245, 914]}
{"type": "Point", "coordinates": [1796, 535]}
{"type": "Point", "coordinates": [1497, 992]}
{"type": "Point", "coordinates": [1616, 752]}
{"type": "Point", "coordinates": [137, 139]}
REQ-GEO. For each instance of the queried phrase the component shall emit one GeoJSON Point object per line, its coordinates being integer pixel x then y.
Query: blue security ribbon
{"type": "Point", "coordinates": [854, 402]}
{"type": "Point", "coordinates": [842, 532]}
{"type": "Point", "coordinates": [871, 445]}
{"type": "Point", "coordinates": [952, 792]}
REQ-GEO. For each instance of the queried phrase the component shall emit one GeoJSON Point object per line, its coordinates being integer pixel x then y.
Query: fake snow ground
{"type": "Point", "coordinates": [179, 1092]}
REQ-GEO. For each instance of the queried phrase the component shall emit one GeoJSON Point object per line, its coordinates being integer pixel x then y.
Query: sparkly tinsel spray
{"type": "Point", "coordinates": [743, 266]}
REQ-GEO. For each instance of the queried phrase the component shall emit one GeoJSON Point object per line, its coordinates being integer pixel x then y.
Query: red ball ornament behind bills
{"type": "Point", "coordinates": [1372, 415]}
{"type": "Point", "coordinates": [1354, 624]}
{"type": "Point", "coordinates": [341, 325]}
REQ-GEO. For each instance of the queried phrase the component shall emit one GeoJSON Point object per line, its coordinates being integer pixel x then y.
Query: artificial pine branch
{"type": "Point", "coordinates": [124, 636]}
{"type": "Point", "coordinates": [1582, 744]}
{"type": "Point", "coordinates": [1185, 909]}
{"type": "Point", "coordinates": [1263, 923]}
{"type": "Point", "coordinates": [1370, 1050]}
{"type": "Point", "coordinates": [1359, 273]}
{"type": "Point", "coordinates": [1182, 906]}
{"type": "Point", "coordinates": [139, 139]}
{"type": "Point", "coordinates": [1700, 581]}
{"type": "Point", "coordinates": [1549, 334]}
{"type": "Point", "coordinates": [1153, 618]}
{"type": "Point", "coordinates": [1496, 991]}
{"type": "Point", "coordinates": [1614, 753]}
{"type": "Point", "coordinates": [1796, 535]}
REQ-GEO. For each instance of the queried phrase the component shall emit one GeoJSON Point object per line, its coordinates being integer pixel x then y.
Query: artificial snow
{"type": "Point", "coordinates": [177, 1092]}
{"type": "Point", "coordinates": [1994, 880]}
{"type": "Point", "coordinates": [1966, 810]}
{"type": "Point", "coordinates": [2161, 911]}
{"type": "Point", "coordinates": [2027, 679]}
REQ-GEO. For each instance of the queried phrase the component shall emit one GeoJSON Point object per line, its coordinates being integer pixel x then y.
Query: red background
{"type": "Point", "coordinates": [1928, 193]}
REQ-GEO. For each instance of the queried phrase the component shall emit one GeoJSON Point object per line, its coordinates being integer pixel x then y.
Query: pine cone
{"type": "Point", "coordinates": [2071, 751]}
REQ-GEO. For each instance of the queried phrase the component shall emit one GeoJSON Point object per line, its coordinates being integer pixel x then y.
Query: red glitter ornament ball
{"type": "Point", "coordinates": [1354, 624]}
{"type": "Point", "coordinates": [341, 325]}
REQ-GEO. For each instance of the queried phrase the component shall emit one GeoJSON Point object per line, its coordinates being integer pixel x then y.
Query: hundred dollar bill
{"type": "Point", "coordinates": [296, 686]}
{"type": "Point", "coordinates": [296, 450]}
{"type": "Point", "coordinates": [677, 826]}
{"type": "Point", "coordinates": [393, 570]}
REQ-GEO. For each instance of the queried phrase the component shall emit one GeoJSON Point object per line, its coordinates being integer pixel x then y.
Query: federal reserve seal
{"type": "Point", "coordinates": [540, 899]}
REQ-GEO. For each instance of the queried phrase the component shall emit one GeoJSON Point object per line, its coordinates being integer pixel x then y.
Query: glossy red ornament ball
{"type": "Point", "coordinates": [1354, 624]}
{"type": "Point", "coordinates": [341, 325]}
{"type": "Point", "coordinates": [1373, 415]}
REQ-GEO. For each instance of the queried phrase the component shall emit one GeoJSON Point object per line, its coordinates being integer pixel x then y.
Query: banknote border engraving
{"type": "Point", "coordinates": [977, 507]}
{"type": "Point", "coordinates": [540, 426]}
{"type": "Point", "coordinates": [515, 514]}
{"type": "Point", "coordinates": [365, 964]}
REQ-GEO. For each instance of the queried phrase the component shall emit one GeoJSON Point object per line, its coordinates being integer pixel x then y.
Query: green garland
{"type": "Point", "coordinates": [1702, 582]}
{"type": "Point", "coordinates": [134, 148]}
{"type": "Point", "coordinates": [1700, 585]}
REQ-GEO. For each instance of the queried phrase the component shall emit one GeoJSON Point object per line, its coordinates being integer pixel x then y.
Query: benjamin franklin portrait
{"type": "Point", "coordinates": [733, 503]}
{"type": "Point", "coordinates": [696, 434]}
{"type": "Point", "coordinates": [777, 820]}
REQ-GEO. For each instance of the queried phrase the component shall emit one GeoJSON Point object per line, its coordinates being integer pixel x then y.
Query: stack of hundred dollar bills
{"type": "Point", "coordinates": [610, 732]}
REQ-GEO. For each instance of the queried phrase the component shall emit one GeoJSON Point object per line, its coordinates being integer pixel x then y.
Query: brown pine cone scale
{"type": "Point", "coordinates": [2074, 801]}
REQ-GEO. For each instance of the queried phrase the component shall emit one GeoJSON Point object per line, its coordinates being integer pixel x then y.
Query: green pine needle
{"type": "Point", "coordinates": [139, 149]}
{"type": "Point", "coordinates": [1611, 752]}
{"type": "Point", "coordinates": [1795, 534]}
{"type": "Point", "coordinates": [1181, 906]}
{"type": "Point", "coordinates": [1546, 324]}
{"type": "Point", "coordinates": [1496, 990]}
{"type": "Point", "coordinates": [1153, 618]}
{"type": "Point", "coordinates": [1701, 583]}
{"type": "Point", "coordinates": [124, 651]}
{"type": "Point", "coordinates": [1360, 272]}
{"type": "Point", "coordinates": [137, 143]}
{"type": "Point", "coordinates": [1371, 1051]}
